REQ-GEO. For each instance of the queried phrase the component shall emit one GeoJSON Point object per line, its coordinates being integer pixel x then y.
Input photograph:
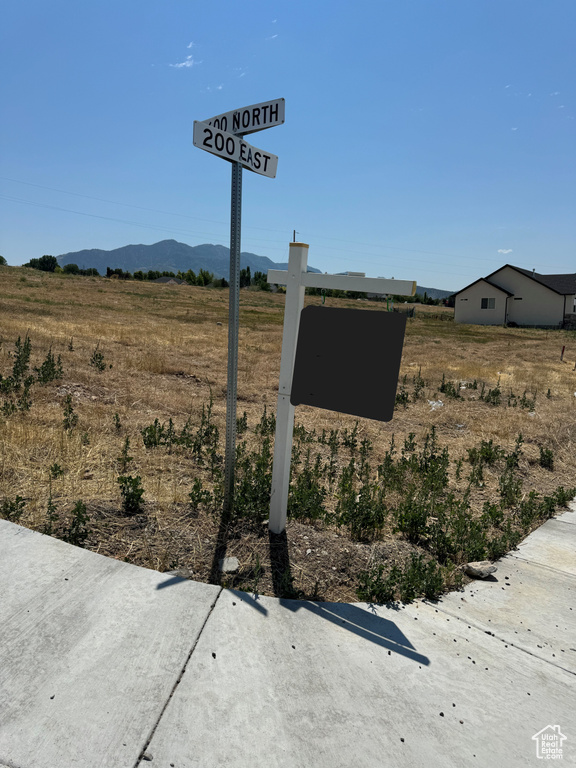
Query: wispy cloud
{"type": "Point", "coordinates": [272, 37]}
{"type": "Point", "coordinates": [190, 45]}
{"type": "Point", "coordinates": [514, 129]}
{"type": "Point", "coordinates": [189, 61]}
{"type": "Point", "coordinates": [504, 250]}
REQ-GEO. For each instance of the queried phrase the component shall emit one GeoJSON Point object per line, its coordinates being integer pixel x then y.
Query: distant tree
{"type": "Point", "coordinates": [204, 277]}
{"type": "Point", "coordinates": [139, 275]}
{"type": "Point", "coordinates": [90, 272]}
{"type": "Point", "coordinates": [47, 263]}
{"type": "Point", "coordinates": [168, 274]}
{"type": "Point", "coordinates": [245, 277]}
{"type": "Point", "coordinates": [190, 277]}
{"type": "Point", "coordinates": [3, 262]}
{"type": "Point", "coordinates": [71, 269]}
{"type": "Point", "coordinates": [220, 282]}
{"type": "Point", "coordinates": [260, 279]}
{"type": "Point", "coordinates": [152, 275]}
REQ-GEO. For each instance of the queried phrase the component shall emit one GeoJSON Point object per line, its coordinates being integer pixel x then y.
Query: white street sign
{"type": "Point", "coordinates": [235, 149]}
{"type": "Point", "coordinates": [250, 119]}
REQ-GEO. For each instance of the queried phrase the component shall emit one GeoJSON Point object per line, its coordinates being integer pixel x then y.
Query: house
{"type": "Point", "coordinates": [515, 296]}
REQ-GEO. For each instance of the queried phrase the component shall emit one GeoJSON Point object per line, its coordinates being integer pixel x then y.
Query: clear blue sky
{"type": "Point", "coordinates": [431, 140]}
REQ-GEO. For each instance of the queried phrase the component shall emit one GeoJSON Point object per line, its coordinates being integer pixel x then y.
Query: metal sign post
{"type": "Point", "coordinates": [296, 279]}
{"type": "Point", "coordinates": [223, 136]}
{"type": "Point", "coordinates": [233, 324]}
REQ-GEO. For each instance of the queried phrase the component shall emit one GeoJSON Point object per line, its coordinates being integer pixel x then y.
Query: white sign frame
{"type": "Point", "coordinates": [297, 279]}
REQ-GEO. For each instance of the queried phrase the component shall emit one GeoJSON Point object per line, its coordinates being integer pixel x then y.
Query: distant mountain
{"type": "Point", "coordinates": [433, 293]}
{"type": "Point", "coordinates": [169, 256]}
{"type": "Point", "coordinates": [172, 256]}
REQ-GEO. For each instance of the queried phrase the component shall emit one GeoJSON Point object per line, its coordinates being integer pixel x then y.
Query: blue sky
{"type": "Point", "coordinates": [430, 140]}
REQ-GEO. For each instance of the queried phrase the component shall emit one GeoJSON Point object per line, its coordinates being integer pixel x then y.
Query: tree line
{"type": "Point", "coordinates": [206, 278]}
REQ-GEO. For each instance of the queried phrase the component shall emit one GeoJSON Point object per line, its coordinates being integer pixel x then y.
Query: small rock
{"type": "Point", "coordinates": [229, 564]}
{"type": "Point", "coordinates": [480, 570]}
{"type": "Point", "coordinates": [147, 756]}
{"type": "Point", "coordinates": [87, 475]}
{"type": "Point", "coordinates": [218, 323]}
{"type": "Point", "coordinates": [308, 551]}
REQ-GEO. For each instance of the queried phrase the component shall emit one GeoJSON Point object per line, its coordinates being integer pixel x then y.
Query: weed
{"type": "Point", "coordinates": [419, 385]}
{"type": "Point", "coordinates": [52, 517]}
{"type": "Point", "coordinates": [306, 495]}
{"type": "Point", "coordinates": [546, 458]}
{"type": "Point", "coordinates": [56, 471]}
{"type": "Point", "coordinates": [493, 396]}
{"type": "Point", "coordinates": [77, 532]}
{"type": "Point", "coordinates": [527, 402]}
{"type": "Point", "coordinates": [512, 459]}
{"type": "Point", "coordinates": [416, 578]}
{"type": "Point", "coordinates": [198, 496]}
{"type": "Point", "coordinates": [124, 459]}
{"type": "Point", "coordinates": [117, 422]}
{"type": "Point", "coordinates": [132, 492]}
{"type": "Point", "coordinates": [50, 370]}
{"type": "Point", "coordinates": [97, 359]}
{"type": "Point", "coordinates": [242, 424]}
{"type": "Point", "coordinates": [12, 509]}
{"type": "Point", "coordinates": [450, 389]}
{"type": "Point", "coordinates": [267, 425]}
{"type": "Point", "coordinates": [253, 481]}
{"type": "Point", "coordinates": [402, 397]}
{"type": "Point", "coordinates": [510, 488]}
{"type": "Point", "coordinates": [70, 416]}
{"type": "Point", "coordinates": [487, 453]}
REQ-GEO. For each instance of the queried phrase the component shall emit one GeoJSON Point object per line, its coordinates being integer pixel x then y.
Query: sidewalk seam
{"type": "Point", "coordinates": [471, 623]}
{"type": "Point", "coordinates": [175, 686]}
{"type": "Point", "coordinates": [543, 565]}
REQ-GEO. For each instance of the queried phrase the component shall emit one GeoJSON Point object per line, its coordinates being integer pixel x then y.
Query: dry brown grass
{"type": "Point", "coordinates": [167, 348]}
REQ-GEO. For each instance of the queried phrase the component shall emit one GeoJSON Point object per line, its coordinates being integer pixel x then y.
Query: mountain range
{"type": "Point", "coordinates": [172, 256]}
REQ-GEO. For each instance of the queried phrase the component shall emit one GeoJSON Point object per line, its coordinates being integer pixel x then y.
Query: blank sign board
{"type": "Point", "coordinates": [348, 360]}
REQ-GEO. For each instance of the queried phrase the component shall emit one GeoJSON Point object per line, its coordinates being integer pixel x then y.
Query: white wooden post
{"type": "Point", "coordinates": [297, 265]}
{"type": "Point", "coordinates": [296, 280]}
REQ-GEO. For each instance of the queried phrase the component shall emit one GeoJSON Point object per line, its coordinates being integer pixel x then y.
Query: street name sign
{"type": "Point", "coordinates": [235, 149]}
{"type": "Point", "coordinates": [257, 117]}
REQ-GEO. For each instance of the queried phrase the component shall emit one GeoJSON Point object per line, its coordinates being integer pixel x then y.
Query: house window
{"type": "Point", "coordinates": [488, 303]}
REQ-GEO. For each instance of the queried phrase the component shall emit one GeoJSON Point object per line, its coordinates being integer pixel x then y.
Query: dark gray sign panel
{"type": "Point", "coordinates": [348, 360]}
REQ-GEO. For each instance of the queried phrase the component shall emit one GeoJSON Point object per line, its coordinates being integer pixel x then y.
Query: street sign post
{"type": "Point", "coordinates": [296, 279]}
{"type": "Point", "coordinates": [223, 136]}
{"type": "Point", "coordinates": [235, 149]}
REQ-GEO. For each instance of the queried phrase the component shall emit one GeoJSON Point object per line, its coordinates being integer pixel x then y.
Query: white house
{"type": "Point", "coordinates": [512, 295]}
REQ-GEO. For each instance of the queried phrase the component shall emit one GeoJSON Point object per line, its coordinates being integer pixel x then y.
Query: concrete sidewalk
{"type": "Point", "coordinates": [108, 665]}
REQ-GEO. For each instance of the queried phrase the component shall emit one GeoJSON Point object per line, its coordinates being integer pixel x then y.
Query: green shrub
{"type": "Point", "coordinates": [546, 459]}
{"type": "Point", "coordinates": [77, 531]}
{"type": "Point", "coordinates": [132, 492]}
{"type": "Point", "coordinates": [12, 509]}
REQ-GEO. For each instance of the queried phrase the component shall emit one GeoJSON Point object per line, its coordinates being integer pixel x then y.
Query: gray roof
{"type": "Point", "coordinates": [563, 284]}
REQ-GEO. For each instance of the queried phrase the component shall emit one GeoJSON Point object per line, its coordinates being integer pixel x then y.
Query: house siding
{"type": "Point", "coordinates": [532, 303]}
{"type": "Point", "coordinates": [467, 306]}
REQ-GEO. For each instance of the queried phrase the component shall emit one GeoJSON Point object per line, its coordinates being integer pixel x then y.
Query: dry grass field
{"type": "Point", "coordinates": [132, 353]}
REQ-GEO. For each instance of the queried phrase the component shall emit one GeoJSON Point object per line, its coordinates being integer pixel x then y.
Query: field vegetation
{"type": "Point", "coordinates": [112, 423]}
